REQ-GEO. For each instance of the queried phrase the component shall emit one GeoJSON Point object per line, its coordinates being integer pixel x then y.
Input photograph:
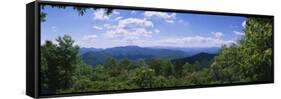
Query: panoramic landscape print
{"type": "Point", "coordinates": [100, 49]}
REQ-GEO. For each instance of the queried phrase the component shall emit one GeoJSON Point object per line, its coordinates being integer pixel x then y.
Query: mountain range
{"type": "Point", "coordinates": [204, 59]}
{"type": "Point", "coordinates": [94, 56]}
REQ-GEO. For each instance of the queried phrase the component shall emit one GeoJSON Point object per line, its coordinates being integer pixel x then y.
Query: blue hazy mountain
{"type": "Point", "coordinates": [99, 56]}
{"type": "Point", "coordinates": [194, 50]}
{"type": "Point", "coordinates": [85, 50]}
{"type": "Point", "coordinates": [205, 59]}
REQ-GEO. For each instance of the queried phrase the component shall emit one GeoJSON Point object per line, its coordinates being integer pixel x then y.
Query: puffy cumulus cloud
{"type": "Point", "coordinates": [135, 22]}
{"type": "Point", "coordinates": [239, 33]}
{"type": "Point", "coordinates": [217, 34]}
{"type": "Point", "coordinates": [130, 29]}
{"type": "Point", "coordinates": [169, 18]}
{"type": "Point", "coordinates": [97, 27]}
{"type": "Point", "coordinates": [100, 14]}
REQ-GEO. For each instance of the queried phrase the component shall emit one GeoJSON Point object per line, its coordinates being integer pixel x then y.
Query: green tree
{"type": "Point", "coordinates": [156, 65]}
{"type": "Point", "coordinates": [84, 70]}
{"type": "Point", "coordinates": [49, 68]}
{"type": "Point", "coordinates": [167, 68]}
{"type": "Point", "coordinates": [80, 10]}
{"type": "Point", "coordinates": [100, 73]}
{"type": "Point", "coordinates": [60, 63]}
{"type": "Point", "coordinates": [251, 58]}
{"type": "Point", "coordinates": [189, 68]}
{"type": "Point", "coordinates": [68, 59]}
{"type": "Point", "coordinates": [143, 76]}
{"type": "Point", "coordinates": [124, 63]}
{"type": "Point", "coordinates": [82, 84]}
{"type": "Point", "coordinates": [112, 65]}
{"type": "Point", "coordinates": [160, 82]}
{"type": "Point", "coordinates": [201, 77]}
{"type": "Point", "coordinates": [82, 79]}
{"type": "Point", "coordinates": [124, 67]}
{"type": "Point", "coordinates": [257, 48]}
{"type": "Point", "coordinates": [227, 66]}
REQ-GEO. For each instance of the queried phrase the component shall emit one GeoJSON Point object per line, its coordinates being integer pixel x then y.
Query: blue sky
{"type": "Point", "coordinates": [141, 28]}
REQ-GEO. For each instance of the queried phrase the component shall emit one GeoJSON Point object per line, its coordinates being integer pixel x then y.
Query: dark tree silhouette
{"type": "Point", "coordinates": [80, 10]}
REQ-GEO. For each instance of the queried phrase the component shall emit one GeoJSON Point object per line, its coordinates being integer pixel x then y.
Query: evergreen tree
{"type": "Point", "coordinates": [60, 62]}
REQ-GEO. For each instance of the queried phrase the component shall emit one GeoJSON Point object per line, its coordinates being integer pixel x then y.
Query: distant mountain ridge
{"type": "Point", "coordinates": [85, 50]}
{"type": "Point", "coordinates": [99, 56]}
{"type": "Point", "coordinates": [194, 50]}
{"type": "Point", "coordinates": [187, 51]}
{"type": "Point", "coordinates": [205, 58]}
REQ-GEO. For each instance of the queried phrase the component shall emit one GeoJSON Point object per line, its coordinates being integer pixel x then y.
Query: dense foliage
{"type": "Point", "coordinates": [250, 60]}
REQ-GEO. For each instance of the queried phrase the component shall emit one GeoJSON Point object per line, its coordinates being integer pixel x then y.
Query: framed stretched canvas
{"type": "Point", "coordinates": [85, 49]}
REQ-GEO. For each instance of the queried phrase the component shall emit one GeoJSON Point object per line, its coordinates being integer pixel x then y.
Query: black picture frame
{"type": "Point", "coordinates": [33, 48]}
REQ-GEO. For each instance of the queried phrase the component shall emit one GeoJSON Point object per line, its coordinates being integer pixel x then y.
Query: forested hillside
{"type": "Point", "coordinates": [132, 53]}
{"type": "Point", "coordinates": [250, 60]}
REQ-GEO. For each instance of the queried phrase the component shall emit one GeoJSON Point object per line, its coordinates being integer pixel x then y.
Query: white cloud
{"type": "Point", "coordinates": [156, 31]}
{"type": "Point", "coordinates": [184, 42]}
{"type": "Point", "coordinates": [170, 21]}
{"type": "Point", "coordinates": [100, 14]}
{"type": "Point", "coordinates": [97, 27]}
{"type": "Point", "coordinates": [183, 22]}
{"type": "Point", "coordinates": [108, 26]}
{"type": "Point", "coordinates": [90, 36]}
{"type": "Point", "coordinates": [239, 33]}
{"type": "Point", "coordinates": [244, 23]}
{"type": "Point", "coordinates": [160, 14]}
{"type": "Point", "coordinates": [118, 18]}
{"type": "Point", "coordinates": [169, 18]}
{"type": "Point", "coordinates": [217, 34]}
{"type": "Point", "coordinates": [88, 41]}
{"type": "Point", "coordinates": [133, 12]}
{"type": "Point", "coordinates": [195, 41]}
{"type": "Point", "coordinates": [135, 22]}
{"type": "Point", "coordinates": [115, 12]}
{"type": "Point", "coordinates": [130, 29]}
